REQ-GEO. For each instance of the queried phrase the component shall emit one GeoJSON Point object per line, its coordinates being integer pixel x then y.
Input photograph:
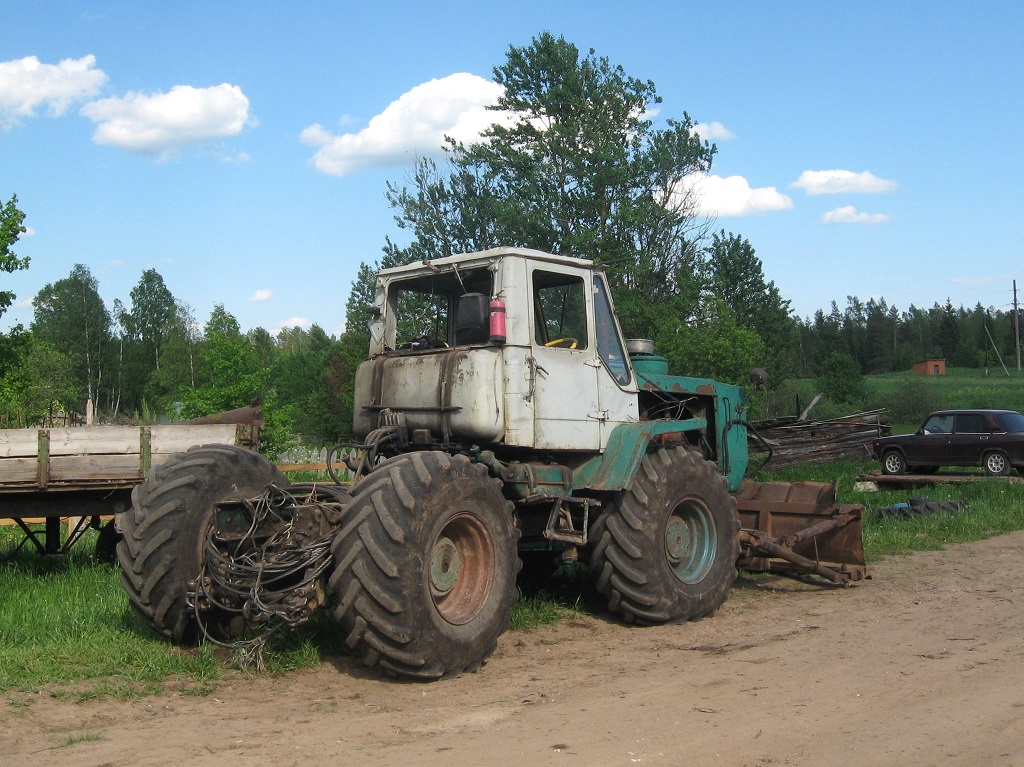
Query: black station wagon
{"type": "Point", "coordinates": [992, 439]}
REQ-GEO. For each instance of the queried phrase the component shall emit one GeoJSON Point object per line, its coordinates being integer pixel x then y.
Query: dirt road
{"type": "Point", "coordinates": [923, 665]}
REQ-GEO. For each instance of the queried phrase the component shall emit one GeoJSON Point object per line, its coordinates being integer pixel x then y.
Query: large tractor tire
{"type": "Point", "coordinates": [665, 549]}
{"type": "Point", "coordinates": [165, 531]}
{"type": "Point", "coordinates": [425, 566]}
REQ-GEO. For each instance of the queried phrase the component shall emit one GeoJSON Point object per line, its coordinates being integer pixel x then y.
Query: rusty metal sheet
{"type": "Point", "coordinates": [802, 518]}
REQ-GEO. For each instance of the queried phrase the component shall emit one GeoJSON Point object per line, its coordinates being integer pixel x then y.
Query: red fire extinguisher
{"type": "Point", "coordinates": [497, 324]}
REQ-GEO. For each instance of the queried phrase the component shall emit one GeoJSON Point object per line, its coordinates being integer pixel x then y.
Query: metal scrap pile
{"type": "Point", "coordinates": [794, 441]}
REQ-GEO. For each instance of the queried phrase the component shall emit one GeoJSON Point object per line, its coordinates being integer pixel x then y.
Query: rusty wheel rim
{"type": "Point", "coordinates": [461, 569]}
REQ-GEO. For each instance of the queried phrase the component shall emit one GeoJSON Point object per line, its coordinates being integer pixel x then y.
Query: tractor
{"type": "Point", "coordinates": [501, 419]}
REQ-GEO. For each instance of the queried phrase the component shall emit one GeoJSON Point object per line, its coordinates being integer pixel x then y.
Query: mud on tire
{"type": "Point", "coordinates": [425, 566]}
{"type": "Point", "coordinates": [164, 533]}
{"type": "Point", "coordinates": [665, 549]}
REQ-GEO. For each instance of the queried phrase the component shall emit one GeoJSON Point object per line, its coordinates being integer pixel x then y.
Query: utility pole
{"type": "Point", "coordinates": [1016, 324]}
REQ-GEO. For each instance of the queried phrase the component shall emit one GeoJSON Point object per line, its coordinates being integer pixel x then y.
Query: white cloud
{"type": "Point", "coordinates": [733, 196]}
{"type": "Point", "coordinates": [842, 182]}
{"type": "Point", "coordinates": [25, 303]}
{"type": "Point", "coordinates": [713, 130]}
{"type": "Point", "coordinates": [850, 215]}
{"type": "Point", "coordinates": [26, 85]}
{"type": "Point", "coordinates": [29, 232]}
{"type": "Point", "coordinates": [262, 295]}
{"type": "Point", "coordinates": [162, 123]}
{"type": "Point", "coordinates": [413, 125]}
{"type": "Point", "coordinates": [294, 322]}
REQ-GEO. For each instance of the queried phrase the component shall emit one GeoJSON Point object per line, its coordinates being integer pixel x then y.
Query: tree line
{"type": "Point", "coordinates": [571, 165]}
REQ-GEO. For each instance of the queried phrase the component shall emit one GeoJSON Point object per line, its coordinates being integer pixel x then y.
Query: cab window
{"type": "Point", "coordinates": [560, 310]}
{"type": "Point", "coordinates": [609, 344]}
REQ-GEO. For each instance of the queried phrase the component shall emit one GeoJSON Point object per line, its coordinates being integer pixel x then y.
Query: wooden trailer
{"type": "Point", "coordinates": [86, 474]}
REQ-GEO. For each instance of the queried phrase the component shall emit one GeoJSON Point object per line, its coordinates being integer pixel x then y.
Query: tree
{"type": "Point", "coordinates": [576, 168]}
{"type": "Point", "coordinates": [71, 315]}
{"type": "Point", "coordinates": [713, 345]}
{"type": "Point", "coordinates": [229, 374]}
{"type": "Point", "coordinates": [840, 379]}
{"type": "Point", "coordinates": [736, 277]}
{"type": "Point", "coordinates": [151, 314]}
{"type": "Point", "coordinates": [12, 226]}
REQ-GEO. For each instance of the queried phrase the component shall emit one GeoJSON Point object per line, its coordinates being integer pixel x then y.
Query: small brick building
{"type": "Point", "coordinates": [930, 368]}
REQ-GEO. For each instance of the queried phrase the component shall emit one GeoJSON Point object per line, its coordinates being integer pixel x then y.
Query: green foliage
{"type": "Point", "coordinates": [712, 346]}
{"type": "Point", "coordinates": [70, 315]}
{"type": "Point", "coordinates": [840, 379]}
{"type": "Point", "coordinates": [573, 165]}
{"type": "Point", "coordinates": [229, 376]}
{"type": "Point", "coordinates": [737, 279]}
{"type": "Point", "coordinates": [12, 226]}
{"type": "Point", "coordinates": [882, 339]}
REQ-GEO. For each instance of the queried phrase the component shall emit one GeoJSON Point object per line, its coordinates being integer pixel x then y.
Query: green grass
{"type": "Point", "coordinates": [66, 625]}
{"type": "Point", "coordinates": [959, 388]}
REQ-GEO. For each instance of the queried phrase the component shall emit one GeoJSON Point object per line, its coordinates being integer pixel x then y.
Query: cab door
{"type": "Point", "coordinates": [563, 366]}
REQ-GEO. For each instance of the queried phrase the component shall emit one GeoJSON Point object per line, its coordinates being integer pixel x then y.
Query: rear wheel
{"type": "Point", "coordinates": [666, 548]}
{"type": "Point", "coordinates": [996, 463]}
{"type": "Point", "coordinates": [164, 534]}
{"type": "Point", "coordinates": [893, 462]}
{"type": "Point", "coordinates": [425, 566]}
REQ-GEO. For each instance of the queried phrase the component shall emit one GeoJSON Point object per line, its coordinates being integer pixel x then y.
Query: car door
{"type": "Point", "coordinates": [931, 444]}
{"type": "Point", "coordinates": [970, 438]}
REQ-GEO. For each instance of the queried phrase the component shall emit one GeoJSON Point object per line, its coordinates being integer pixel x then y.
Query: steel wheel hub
{"type": "Point", "coordinates": [690, 541]}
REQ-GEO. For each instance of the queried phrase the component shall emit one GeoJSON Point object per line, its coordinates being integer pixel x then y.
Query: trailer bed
{"type": "Point", "coordinates": [88, 472]}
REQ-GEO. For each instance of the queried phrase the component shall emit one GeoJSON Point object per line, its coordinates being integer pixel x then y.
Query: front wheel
{"type": "Point", "coordinates": [996, 463]}
{"type": "Point", "coordinates": [893, 462]}
{"type": "Point", "coordinates": [425, 566]}
{"type": "Point", "coordinates": [665, 549]}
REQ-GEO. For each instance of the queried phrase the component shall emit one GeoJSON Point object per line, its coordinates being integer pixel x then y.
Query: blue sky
{"type": "Point", "coordinates": [242, 149]}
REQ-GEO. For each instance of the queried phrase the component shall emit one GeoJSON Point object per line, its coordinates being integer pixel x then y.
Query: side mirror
{"type": "Point", "coordinates": [759, 377]}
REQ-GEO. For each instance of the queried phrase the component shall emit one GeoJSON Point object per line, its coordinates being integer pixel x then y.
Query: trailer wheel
{"type": "Point", "coordinates": [425, 566]}
{"type": "Point", "coordinates": [164, 534]}
{"type": "Point", "coordinates": [665, 549]}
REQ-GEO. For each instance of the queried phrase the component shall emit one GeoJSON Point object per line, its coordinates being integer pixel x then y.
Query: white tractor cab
{"type": "Point", "coordinates": [559, 379]}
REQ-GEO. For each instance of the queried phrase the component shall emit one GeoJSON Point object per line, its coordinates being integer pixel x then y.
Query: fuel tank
{"type": "Point", "coordinates": [454, 393]}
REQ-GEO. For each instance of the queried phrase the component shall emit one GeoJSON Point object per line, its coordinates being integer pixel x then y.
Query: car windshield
{"type": "Point", "coordinates": [1012, 422]}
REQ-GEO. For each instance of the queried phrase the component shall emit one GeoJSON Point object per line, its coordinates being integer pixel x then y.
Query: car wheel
{"type": "Point", "coordinates": [893, 462]}
{"type": "Point", "coordinates": [996, 464]}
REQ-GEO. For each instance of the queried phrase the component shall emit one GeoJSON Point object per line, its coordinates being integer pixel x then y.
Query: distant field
{"type": "Point", "coordinates": [908, 398]}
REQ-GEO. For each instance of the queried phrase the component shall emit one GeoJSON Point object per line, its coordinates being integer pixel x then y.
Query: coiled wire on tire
{"type": "Point", "coordinates": [273, 582]}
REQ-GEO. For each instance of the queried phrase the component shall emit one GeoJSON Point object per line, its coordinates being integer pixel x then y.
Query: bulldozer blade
{"type": "Point", "coordinates": [798, 527]}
